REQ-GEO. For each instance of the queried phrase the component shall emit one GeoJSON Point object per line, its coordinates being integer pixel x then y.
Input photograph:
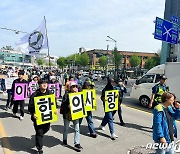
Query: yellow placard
{"type": "Point", "coordinates": [45, 109]}
{"type": "Point", "coordinates": [90, 99]}
{"type": "Point", "coordinates": [77, 106]}
{"type": "Point", "coordinates": [111, 100]}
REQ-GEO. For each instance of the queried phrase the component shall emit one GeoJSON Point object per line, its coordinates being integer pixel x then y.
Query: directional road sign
{"type": "Point", "coordinates": [166, 31]}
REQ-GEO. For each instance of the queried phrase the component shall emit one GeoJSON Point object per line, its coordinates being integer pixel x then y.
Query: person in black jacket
{"type": "Point", "coordinates": [108, 118]}
{"type": "Point", "coordinates": [65, 110]}
{"type": "Point", "coordinates": [40, 129]}
{"type": "Point", "coordinates": [18, 102]}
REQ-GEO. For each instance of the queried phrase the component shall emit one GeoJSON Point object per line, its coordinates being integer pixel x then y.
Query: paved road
{"type": "Point", "coordinates": [18, 136]}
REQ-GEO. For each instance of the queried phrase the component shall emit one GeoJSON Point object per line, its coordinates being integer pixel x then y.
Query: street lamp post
{"type": "Point", "coordinates": [111, 39]}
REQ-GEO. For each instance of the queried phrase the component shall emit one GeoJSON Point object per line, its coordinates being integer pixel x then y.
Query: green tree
{"type": "Point", "coordinates": [117, 61]}
{"type": "Point", "coordinates": [61, 62]}
{"type": "Point", "coordinates": [51, 64]}
{"type": "Point", "coordinates": [40, 62]}
{"type": "Point", "coordinates": [84, 59]}
{"type": "Point", "coordinates": [135, 61]}
{"type": "Point", "coordinates": [103, 61]}
{"type": "Point", "coordinates": [152, 62]}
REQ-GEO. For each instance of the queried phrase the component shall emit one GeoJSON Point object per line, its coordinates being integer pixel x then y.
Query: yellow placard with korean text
{"type": "Point", "coordinates": [111, 100]}
{"type": "Point", "coordinates": [90, 99]}
{"type": "Point", "coordinates": [45, 109]}
{"type": "Point", "coordinates": [77, 106]}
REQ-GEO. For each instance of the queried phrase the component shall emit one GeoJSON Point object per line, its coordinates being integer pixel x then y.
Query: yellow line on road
{"type": "Point", "coordinates": [136, 108]}
{"type": "Point", "coordinates": [5, 141]}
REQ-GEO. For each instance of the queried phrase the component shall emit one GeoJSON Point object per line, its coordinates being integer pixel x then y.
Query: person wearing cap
{"type": "Point", "coordinates": [65, 111]}
{"type": "Point", "coordinates": [34, 80]}
{"type": "Point", "coordinates": [90, 79]}
{"type": "Point", "coordinates": [122, 89]}
{"type": "Point", "coordinates": [44, 128]}
{"type": "Point", "coordinates": [18, 102]}
{"type": "Point", "coordinates": [66, 76]}
{"type": "Point", "coordinates": [108, 118]}
{"type": "Point", "coordinates": [71, 79]}
{"type": "Point", "coordinates": [87, 85]}
{"type": "Point", "coordinates": [79, 81]}
{"type": "Point", "coordinates": [157, 92]}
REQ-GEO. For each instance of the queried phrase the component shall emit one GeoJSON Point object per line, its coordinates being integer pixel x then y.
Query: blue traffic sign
{"type": "Point", "coordinates": [166, 31]}
{"type": "Point", "coordinates": [174, 19]}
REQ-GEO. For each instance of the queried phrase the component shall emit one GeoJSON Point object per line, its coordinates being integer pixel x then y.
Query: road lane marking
{"type": "Point", "coordinates": [136, 108]}
{"type": "Point", "coordinates": [5, 141]}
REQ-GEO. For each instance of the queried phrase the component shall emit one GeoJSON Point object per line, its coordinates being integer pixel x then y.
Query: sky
{"type": "Point", "coordinates": [72, 24]}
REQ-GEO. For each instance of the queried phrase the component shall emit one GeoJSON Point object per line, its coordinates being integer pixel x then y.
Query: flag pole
{"type": "Point", "coordinates": [47, 42]}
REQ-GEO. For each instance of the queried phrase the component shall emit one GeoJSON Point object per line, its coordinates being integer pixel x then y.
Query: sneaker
{"type": "Point", "coordinates": [40, 151]}
{"type": "Point", "coordinates": [93, 135]}
{"type": "Point", "coordinates": [65, 142]}
{"type": "Point", "coordinates": [102, 127]}
{"type": "Point", "coordinates": [6, 108]}
{"type": "Point", "coordinates": [14, 115]}
{"type": "Point", "coordinates": [114, 136]}
{"type": "Point", "coordinates": [122, 123]}
{"type": "Point", "coordinates": [21, 118]}
{"type": "Point", "coordinates": [78, 147]}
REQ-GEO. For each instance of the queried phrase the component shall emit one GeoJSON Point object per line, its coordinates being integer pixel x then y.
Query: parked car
{"type": "Point", "coordinates": [95, 77]}
{"type": "Point", "coordinates": [85, 73]}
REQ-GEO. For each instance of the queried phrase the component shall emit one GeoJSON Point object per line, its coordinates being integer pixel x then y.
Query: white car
{"type": "Point", "coordinates": [85, 73]}
{"type": "Point", "coordinates": [95, 77]}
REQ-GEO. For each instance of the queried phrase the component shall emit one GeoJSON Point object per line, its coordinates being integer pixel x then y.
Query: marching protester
{"type": "Point", "coordinates": [89, 118]}
{"type": "Point", "coordinates": [108, 118]}
{"type": "Point", "coordinates": [164, 125]}
{"type": "Point", "coordinates": [122, 89]}
{"type": "Point", "coordinates": [43, 128]}
{"type": "Point", "coordinates": [20, 102]}
{"type": "Point", "coordinates": [157, 92]}
{"type": "Point", "coordinates": [9, 103]}
{"type": "Point", "coordinates": [79, 81]}
{"type": "Point", "coordinates": [66, 77]}
{"type": "Point", "coordinates": [65, 110]}
{"type": "Point", "coordinates": [67, 86]}
{"type": "Point", "coordinates": [33, 85]}
{"type": "Point", "coordinates": [90, 79]}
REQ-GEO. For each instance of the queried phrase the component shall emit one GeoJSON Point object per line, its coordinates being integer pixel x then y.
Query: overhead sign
{"type": "Point", "coordinates": [166, 31]}
{"type": "Point", "coordinates": [174, 19]}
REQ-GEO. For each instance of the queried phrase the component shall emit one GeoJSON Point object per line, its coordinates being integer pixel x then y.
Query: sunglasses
{"type": "Point", "coordinates": [74, 86]}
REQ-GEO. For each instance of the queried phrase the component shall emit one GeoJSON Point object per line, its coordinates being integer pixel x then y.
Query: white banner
{"type": "Point", "coordinates": [35, 41]}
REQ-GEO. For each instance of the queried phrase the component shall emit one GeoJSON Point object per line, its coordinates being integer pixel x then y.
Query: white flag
{"type": "Point", "coordinates": [35, 41]}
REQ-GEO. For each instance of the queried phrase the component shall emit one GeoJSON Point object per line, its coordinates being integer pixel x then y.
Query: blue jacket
{"type": "Point", "coordinates": [160, 124]}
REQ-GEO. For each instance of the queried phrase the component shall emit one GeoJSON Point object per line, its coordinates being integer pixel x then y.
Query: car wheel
{"type": "Point", "coordinates": [144, 101]}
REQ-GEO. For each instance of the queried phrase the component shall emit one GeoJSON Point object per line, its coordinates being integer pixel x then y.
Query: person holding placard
{"type": "Point", "coordinates": [43, 128]}
{"type": "Point", "coordinates": [87, 85]}
{"type": "Point", "coordinates": [65, 110]}
{"type": "Point", "coordinates": [8, 83]}
{"type": "Point", "coordinates": [19, 102]}
{"type": "Point", "coordinates": [33, 85]}
{"type": "Point", "coordinates": [122, 89]}
{"type": "Point", "coordinates": [108, 118]}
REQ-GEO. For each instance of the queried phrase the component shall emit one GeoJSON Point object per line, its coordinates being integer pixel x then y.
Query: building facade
{"type": "Point", "coordinates": [95, 54]}
{"type": "Point", "coordinates": [15, 58]}
{"type": "Point", "coordinates": [170, 52]}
